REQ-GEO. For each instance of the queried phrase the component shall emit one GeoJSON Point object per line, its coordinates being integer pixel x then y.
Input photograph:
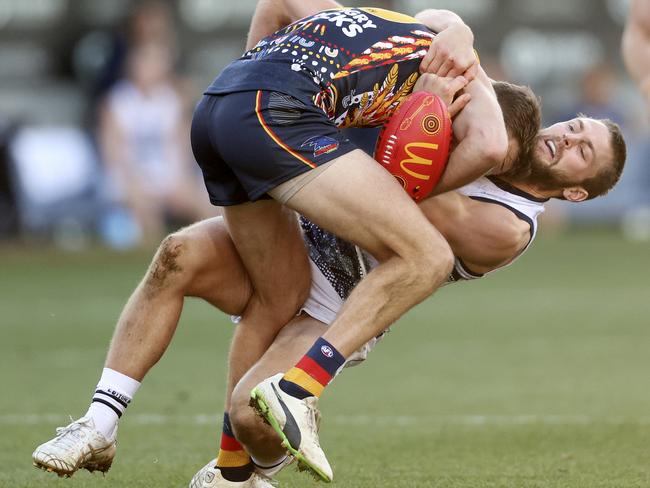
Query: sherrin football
{"type": "Point", "coordinates": [414, 144]}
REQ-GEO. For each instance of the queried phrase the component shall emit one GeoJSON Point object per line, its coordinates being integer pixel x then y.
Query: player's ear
{"type": "Point", "coordinates": [575, 194]}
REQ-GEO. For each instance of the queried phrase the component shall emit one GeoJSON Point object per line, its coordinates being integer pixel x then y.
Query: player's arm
{"type": "Point", "coordinates": [636, 45]}
{"type": "Point", "coordinates": [479, 129]}
{"type": "Point", "coordinates": [452, 50]}
{"type": "Point", "coordinates": [272, 15]}
{"type": "Point", "coordinates": [483, 235]}
{"type": "Point", "coordinates": [480, 133]}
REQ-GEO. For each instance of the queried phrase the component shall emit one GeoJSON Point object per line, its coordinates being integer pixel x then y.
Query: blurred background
{"type": "Point", "coordinates": [536, 377]}
{"type": "Point", "coordinates": [96, 98]}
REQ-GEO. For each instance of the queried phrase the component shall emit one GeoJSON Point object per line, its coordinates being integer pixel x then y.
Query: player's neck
{"type": "Point", "coordinates": [531, 189]}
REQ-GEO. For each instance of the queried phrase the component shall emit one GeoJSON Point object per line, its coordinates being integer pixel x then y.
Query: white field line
{"type": "Point", "coordinates": [352, 420]}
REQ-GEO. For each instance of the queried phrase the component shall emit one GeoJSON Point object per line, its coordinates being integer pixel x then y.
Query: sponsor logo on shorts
{"type": "Point", "coordinates": [321, 144]}
{"type": "Point", "coordinates": [327, 351]}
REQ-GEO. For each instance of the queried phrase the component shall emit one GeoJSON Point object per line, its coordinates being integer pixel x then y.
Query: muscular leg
{"type": "Point", "coordinates": [199, 261]}
{"type": "Point", "coordinates": [359, 201]}
{"type": "Point", "coordinates": [279, 271]}
{"type": "Point", "coordinates": [287, 348]}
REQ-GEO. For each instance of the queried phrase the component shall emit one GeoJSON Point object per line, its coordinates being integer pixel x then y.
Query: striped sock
{"type": "Point", "coordinates": [233, 461]}
{"type": "Point", "coordinates": [113, 394]}
{"type": "Point", "coordinates": [313, 372]}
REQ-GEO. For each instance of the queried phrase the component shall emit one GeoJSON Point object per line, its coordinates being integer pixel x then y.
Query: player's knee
{"type": "Point", "coordinates": [432, 262]}
{"type": "Point", "coordinates": [244, 420]}
{"type": "Point", "coordinates": [173, 265]}
{"type": "Point", "coordinates": [439, 263]}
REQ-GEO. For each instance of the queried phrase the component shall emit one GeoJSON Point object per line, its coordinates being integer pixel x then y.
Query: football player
{"type": "Point", "coordinates": [270, 124]}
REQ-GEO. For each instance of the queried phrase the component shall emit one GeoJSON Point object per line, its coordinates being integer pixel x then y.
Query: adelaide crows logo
{"type": "Point", "coordinates": [321, 144]}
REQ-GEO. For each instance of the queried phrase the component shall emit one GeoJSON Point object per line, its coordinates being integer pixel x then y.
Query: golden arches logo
{"type": "Point", "coordinates": [415, 159]}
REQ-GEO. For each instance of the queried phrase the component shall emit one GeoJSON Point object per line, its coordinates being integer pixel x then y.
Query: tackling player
{"type": "Point", "coordinates": [284, 102]}
{"type": "Point", "coordinates": [270, 124]}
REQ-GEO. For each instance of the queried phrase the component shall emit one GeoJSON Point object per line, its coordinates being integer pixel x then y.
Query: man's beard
{"type": "Point", "coordinates": [548, 178]}
{"type": "Point", "coordinates": [530, 169]}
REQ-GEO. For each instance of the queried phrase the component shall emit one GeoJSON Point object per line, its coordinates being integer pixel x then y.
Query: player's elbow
{"type": "Point", "coordinates": [494, 144]}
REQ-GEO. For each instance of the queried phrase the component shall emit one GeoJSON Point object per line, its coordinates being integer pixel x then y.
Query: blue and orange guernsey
{"type": "Point", "coordinates": [356, 64]}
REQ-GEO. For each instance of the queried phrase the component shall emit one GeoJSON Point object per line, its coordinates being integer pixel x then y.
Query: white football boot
{"type": "Point", "coordinates": [210, 477]}
{"type": "Point", "coordinates": [295, 421]}
{"type": "Point", "coordinates": [77, 446]}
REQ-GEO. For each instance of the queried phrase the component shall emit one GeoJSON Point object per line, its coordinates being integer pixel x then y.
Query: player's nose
{"type": "Point", "coordinates": [570, 139]}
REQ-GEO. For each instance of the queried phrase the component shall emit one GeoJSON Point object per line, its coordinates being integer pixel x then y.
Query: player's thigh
{"type": "Point", "coordinates": [359, 201]}
{"type": "Point", "coordinates": [287, 349]}
{"type": "Point", "coordinates": [217, 274]}
{"type": "Point", "coordinates": [268, 239]}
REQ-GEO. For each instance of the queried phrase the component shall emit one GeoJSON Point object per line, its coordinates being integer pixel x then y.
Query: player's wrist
{"type": "Point", "coordinates": [439, 20]}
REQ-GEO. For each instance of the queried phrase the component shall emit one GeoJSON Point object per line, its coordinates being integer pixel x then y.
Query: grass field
{"type": "Point", "coordinates": [539, 376]}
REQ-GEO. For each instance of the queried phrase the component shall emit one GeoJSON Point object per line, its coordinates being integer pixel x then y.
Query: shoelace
{"type": "Point", "coordinates": [68, 442]}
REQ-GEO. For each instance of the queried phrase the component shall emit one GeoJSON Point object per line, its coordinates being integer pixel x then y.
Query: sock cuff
{"type": "Point", "coordinates": [326, 355]}
{"type": "Point", "coordinates": [119, 382]}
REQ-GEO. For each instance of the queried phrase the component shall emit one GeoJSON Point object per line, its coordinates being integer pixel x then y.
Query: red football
{"type": "Point", "coordinates": [414, 144]}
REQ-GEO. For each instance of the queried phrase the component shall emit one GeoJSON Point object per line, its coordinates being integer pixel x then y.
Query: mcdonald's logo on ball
{"type": "Point", "coordinates": [415, 142]}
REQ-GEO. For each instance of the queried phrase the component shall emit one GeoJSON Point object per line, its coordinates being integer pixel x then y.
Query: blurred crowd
{"type": "Point", "coordinates": [125, 175]}
{"type": "Point", "coordinates": [129, 175]}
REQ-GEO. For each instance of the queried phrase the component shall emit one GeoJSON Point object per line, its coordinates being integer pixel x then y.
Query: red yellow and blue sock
{"type": "Point", "coordinates": [313, 372]}
{"type": "Point", "coordinates": [233, 461]}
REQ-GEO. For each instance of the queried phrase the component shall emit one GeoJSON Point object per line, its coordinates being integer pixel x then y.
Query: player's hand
{"type": "Point", "coordinates": [446, 88]}
{"type": "Point", "coordinates": [451, 53]}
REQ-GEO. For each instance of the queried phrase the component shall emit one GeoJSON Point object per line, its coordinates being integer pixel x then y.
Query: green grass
{"type": "Point", "coordinates": [535, 377]}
